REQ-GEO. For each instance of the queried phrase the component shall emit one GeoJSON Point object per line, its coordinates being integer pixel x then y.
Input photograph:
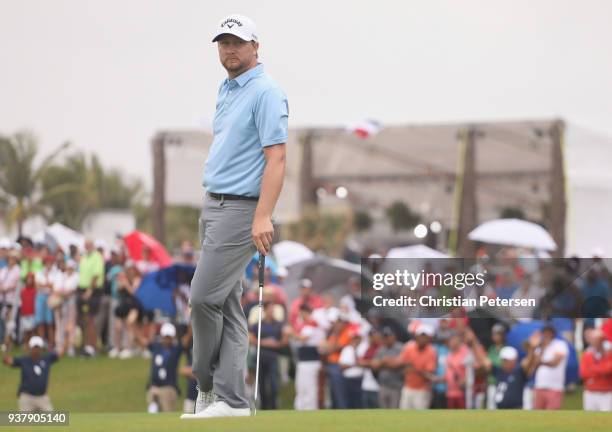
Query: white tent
{"type": "Point", "coordinates": [588, 162]}
{"type": "Point", "coordinates": [64, 236]}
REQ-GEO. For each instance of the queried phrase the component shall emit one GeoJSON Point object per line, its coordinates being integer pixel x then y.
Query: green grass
{"type": "Point", "coordinates": [358, 420]}
{"type": "Point", "coordinates": [105, 394]}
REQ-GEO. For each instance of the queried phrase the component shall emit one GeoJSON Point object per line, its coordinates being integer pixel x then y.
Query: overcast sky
{"type": "Point", "coordinates": [108, 74]}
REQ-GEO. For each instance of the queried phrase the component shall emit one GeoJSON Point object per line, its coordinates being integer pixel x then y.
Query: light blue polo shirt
{"type": "Point", "coordinates": [252, 113]}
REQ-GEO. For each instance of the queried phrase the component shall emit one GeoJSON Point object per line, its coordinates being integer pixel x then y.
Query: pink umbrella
{"type": "Point", "coordinates": [136, 241]}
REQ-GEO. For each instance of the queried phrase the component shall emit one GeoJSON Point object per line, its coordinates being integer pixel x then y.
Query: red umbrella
{"type": "Point", "coordinates": [137, 240]}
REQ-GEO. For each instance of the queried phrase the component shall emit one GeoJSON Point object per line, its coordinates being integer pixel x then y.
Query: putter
{"type": "Point", "coordinates": [262, 265]}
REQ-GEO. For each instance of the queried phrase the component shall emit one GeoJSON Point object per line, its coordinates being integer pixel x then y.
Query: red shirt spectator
{"type": "Point", "coordinates": [28, 294]}
{"type": "Point", "coordinates": [306, 297]}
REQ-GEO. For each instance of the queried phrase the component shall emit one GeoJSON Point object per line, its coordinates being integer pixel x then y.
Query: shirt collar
{"type": "Point", "coordinates": [245, 77]}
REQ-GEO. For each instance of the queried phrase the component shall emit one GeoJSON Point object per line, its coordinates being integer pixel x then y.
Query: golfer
{"type": "Point", "coordinates": [243, 177]}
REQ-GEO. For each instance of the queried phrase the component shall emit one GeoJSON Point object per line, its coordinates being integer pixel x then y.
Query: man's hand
{"type": "Point", "coordinates": [262, 233]}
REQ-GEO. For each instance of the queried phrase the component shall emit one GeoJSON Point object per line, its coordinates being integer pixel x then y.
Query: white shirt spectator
{"type": "Point", "coordinates": [9, 279]}
{"type": "Point", "coordinates": [45, 280]}
{"type": "Point", "coordinates": [369, 382]}
{"type": "Point", "coordinates": [314, 335]}
{"type": "Point", "coordinates": [348, 357]}
{"type": "Point", "coordinates": [324, 317]}
{"type": "Point", "coordinates": [552, 378]}
{"type": "Point", "coordinates": [65, 283]}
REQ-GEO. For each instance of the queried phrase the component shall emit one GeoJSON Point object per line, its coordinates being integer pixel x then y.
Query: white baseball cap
{"type": "Point", "coordinates": [36, 341]}
{"type": "Point", "coordinates": [238, 25]}
{"type": "Point", "coordinates": [425, 329]}
{"type": "Point", "coordinates": [167, 329]}
{"type": "Point", "coordinates": [508, 353]}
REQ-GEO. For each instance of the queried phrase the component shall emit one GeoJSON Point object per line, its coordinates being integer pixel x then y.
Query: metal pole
{"type": "Point", "coordinates": [262, 266]}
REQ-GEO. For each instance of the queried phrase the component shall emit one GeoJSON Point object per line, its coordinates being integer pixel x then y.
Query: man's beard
{"type": "Point", "coordinates": [234, 67]}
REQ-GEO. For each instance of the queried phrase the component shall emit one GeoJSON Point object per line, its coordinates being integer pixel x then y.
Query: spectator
{"type": "Point", "coordinates": [456, 372]}
{"type": "Point", "coordinates": [116, 267]}
{"type": "Point", "coordinates": [274, 337]}
{"type": "Point", "coordinates": [596, 293]}
{"type": "Point", "coordinates": [91, 279]}
{"type": "Point", "coordinates": [65, 286]}
{"type": "Point", "coordinates": [9, 281]}
{"type": "Point", "coordinates": [369, 385]}
{"type": "Point", "coordinates": [27, 320]}
{"type": "Point", "coordinates": [351, 371]}
{"type": "Point", "coordinates": [389, 378]}
{"type": "Point", "coordinates": [44, 314]}
{"type": "Point", "coordinates": [439, 387]}
{"type": "Point", "coordinates": [306, 297]}
{"type": "Point", "coordinates": [353, 300]}
{"type": "Point", "coordinates": [551, 360]}
{"type": "Point", "coordinates": [30, 263]}
{"type": "Point", "coordinates": [127, 313]}
{"type": "Point", "coordinates": [35, 370]}
{"type": "Point", "coordinates": [418, 357]}
{"type": "Point", "coordinates": [596, 371]}
{"type": "Point", "coordinates": [498, 337]}
{"type": "Point", "coordinates": [162, 389]}
{"type": "Point", "coordinates": [327, 314]}
{"type": "Point", "coordinates": [309, 337]}
{"type": "Point", "coordinates": [5, 249]}
{"type": "Point", "coordinates": [187, 253]}
{"type": "Point", "coordinates": [146, 264]}
{"type": "Point", "coordinates": [511, 377]}
{"type": "Point", "coordinates": [189, 403]}
{"type": "Point", "coordinates": [527, 290]}
{"type": "Point", "coordinates": [339, 337]}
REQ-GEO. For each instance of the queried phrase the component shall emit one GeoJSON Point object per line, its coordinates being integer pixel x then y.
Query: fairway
{"type": "Point", "coordinates": [357, 420]}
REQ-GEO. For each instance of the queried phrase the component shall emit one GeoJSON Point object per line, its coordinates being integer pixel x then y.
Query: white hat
{"type": "Point", "coordinates": [508, 353]}
{"type": "Point", "coordinates": [167, 329]}
{"type": "Point", "coordinates": [5, 243]}
{"type": "Point", "coordinates": [36, 341]}
{"type": "Point", "coordinates": [425, 329]}
{"type": "Point", "coordinates": [100, 244]}
{"type": "Point", "coordinates": [238, 25]}
{"type": "Point", "coordinates": [305, 283]}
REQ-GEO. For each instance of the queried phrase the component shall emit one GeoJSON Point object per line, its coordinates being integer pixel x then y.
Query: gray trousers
{"type": "Point", "coordinates": [220, 335]}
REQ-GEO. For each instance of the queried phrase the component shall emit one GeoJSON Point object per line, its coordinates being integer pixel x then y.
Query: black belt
{"type": "Point", "coordinates": [226, 197]}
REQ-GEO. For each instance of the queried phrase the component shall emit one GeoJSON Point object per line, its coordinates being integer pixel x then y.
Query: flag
{"type": "Point", "coordinates": [365, 128]}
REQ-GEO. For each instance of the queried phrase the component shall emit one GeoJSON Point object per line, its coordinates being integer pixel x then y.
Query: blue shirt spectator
{"type": "Point", "coordinates": [164, 364]}
{"type": "Point", "coordinates": [34, 373]}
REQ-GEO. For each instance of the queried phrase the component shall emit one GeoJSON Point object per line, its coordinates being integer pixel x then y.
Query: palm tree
{"type": "Point", "coordinates": [20, 192]}
{"type": "Point", "coordinates": [81, 185]}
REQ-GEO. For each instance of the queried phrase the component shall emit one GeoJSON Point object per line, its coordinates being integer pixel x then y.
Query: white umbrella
{"type": "Point", "coordinates": [65, 236]}
{"type": "Point", "coordinates": [513, 232]}
{"type": "Point", "coordinates": [416, 251]}
{"type": "Point", "coordinates": [289, 252]}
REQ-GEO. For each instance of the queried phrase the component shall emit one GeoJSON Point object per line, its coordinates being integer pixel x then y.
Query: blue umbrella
{"type": "Point", "coordinates": [155, 290]}
{"type": "Point", "coordinates": [270, 264]}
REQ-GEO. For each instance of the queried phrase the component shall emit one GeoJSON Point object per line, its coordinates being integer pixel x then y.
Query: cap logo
{"type": "Point", "coordinates": [230, 22]}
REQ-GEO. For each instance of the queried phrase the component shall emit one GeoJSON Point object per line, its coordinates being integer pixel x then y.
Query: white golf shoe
{"type": "Point", "coordinates": [219, 409]}
{"type": "Point", "coordinates": [204, 400]}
